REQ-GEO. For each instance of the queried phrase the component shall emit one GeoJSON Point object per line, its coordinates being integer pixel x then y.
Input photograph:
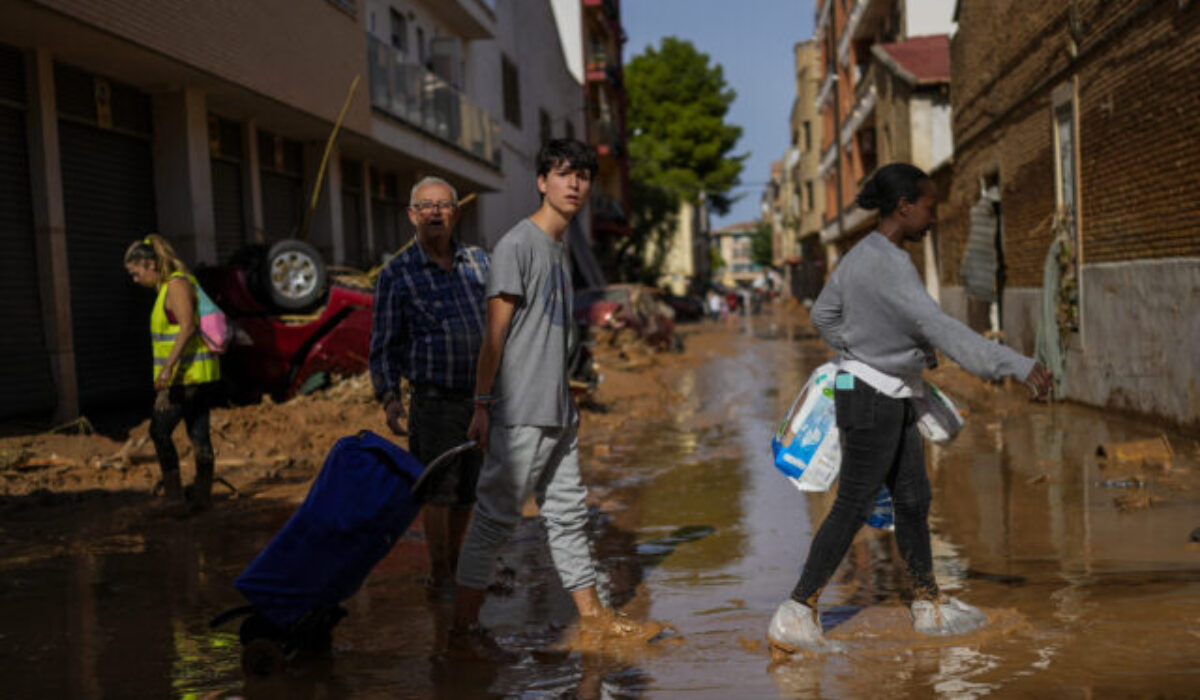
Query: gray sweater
{"type": "Point", "coordinates": [876, 310]}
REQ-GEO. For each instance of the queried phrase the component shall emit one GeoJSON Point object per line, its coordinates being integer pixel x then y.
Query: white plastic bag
{"type": "Point", "coordinates": [938, 418]}
{"type": "Point", "coordinates": [806, 447]}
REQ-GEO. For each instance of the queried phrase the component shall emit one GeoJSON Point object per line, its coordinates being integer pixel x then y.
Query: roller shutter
{"type": "Point", "coordinates": [225, 147]}
{"type": "Point", "coordinates": [386, 212]}
{"type": "Point", "coordinates": [227, 207]}
{"type": "Point", "coordinates": [280, 162]}
{"type": "Point", "coordinates": [353, 233]}
{"type": "Point", "coordinates": [108, 195]}
{"type": "Point", "coordinates": [28, 386]}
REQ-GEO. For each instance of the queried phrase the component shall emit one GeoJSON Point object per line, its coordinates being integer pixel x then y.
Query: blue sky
{"type": "Point", "coordinates": [752, 40]}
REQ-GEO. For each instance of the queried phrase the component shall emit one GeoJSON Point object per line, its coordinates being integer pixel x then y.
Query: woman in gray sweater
{"type": "Point", "coordinates": [885, 328]}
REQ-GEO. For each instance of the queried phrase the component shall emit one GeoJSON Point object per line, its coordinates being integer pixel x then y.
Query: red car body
{"type": "Point", "coordinates": [633, 306]}
{"type": "Point", "coordinates": [276, 353]}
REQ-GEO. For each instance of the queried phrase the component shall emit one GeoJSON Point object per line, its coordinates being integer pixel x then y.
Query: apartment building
{"type": "Point", "coordinates": [207, 123]}
{"type": "Point", "coordinates": [1075, 127]}
{"type": "Point", "coordinates": [593, 41]}
{"type": "Point", "coordinates": [735, 243]}
{"type": "Point", "coordinates": [883, 98]}
{"type": "Point", "coordinates": [798, 251]}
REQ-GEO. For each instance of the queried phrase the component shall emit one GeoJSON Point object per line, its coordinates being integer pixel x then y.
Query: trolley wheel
{"type": "Point", "coordinates": [262, 657]}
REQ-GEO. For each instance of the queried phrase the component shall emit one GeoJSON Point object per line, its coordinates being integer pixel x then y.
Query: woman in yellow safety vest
{"type": "Point", "coordinates": [186, 372]}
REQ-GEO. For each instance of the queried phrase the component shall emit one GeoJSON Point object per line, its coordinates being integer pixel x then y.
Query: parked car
{"type": "Point", "coordinates": [686, 307]}
{"type": "Point", "coordinates": [276, 348]}
{"type": "Point", "coordinates": [619, 309]}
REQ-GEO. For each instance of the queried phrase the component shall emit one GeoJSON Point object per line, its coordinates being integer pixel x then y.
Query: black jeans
{"type": "Point", "coordinates": [880, 444]}
{"type": "Point", "coordinates": [190, 403]}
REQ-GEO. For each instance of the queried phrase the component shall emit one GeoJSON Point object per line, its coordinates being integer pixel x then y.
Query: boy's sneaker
{"type": "Point", "coordinates": [946, 616]}
{"type": "Point", "coordinates": [795, 627]}
{"type": "Point", "coordinates": [614, 625]}
{"type": "Point", "coordinates": [475, 643]}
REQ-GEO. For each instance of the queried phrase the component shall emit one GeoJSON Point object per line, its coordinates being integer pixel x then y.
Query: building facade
{"type": "Point", "coordinates": [799, 250]}
{"type": "Point", "coordinates": [1074, 126]}
{"type": "Point", "coordinates": [682, 258]}
{"type": "Point", "coordinates": [874, 108]}
{"type": "Point", "coordinates": [735, 243]}
{"type": "Point", "coordinates": [207, 123]}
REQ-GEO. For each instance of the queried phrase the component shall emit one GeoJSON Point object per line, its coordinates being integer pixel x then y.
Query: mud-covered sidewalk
{"type": "Point", "coordinates": [1082, 561]}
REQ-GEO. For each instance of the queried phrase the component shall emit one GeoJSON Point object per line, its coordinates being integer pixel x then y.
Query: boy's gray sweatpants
{"type": "Point", "coordinates": [520, 460]}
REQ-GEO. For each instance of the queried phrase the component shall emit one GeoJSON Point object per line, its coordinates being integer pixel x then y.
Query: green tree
{"type": "Point", "coordinates": [762, 245]}
{"type": "Point", "coordinates": [679, 145]}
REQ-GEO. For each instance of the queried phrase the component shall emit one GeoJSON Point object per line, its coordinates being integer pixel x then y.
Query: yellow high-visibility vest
{"type": "Point", "coordinates": [197, 364]}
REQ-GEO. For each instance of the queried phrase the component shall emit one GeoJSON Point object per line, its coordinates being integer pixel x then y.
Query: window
{"type": "Point", "coordinates": [512, 91]}
{"type": "Point", "coordinates": [808, 136]}
{"type": "Point", "coordinates": [399, 32]}
{"type": "Point", "coordinates": [545, 127]}
{"type": "Point", "coordinates": [1064, 137]}
{"type": "Point", "coordinates": [421, 55]}
{"type": "Point", "coordinates": [808, 195]}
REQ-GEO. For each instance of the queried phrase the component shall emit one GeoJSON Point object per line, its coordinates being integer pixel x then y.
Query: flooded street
{"type": "Point", "coordinates": [1082, 564]}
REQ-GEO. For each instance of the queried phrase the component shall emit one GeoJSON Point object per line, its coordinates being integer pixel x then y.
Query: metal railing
{"type": "Point", "coordinates": [412, 94]}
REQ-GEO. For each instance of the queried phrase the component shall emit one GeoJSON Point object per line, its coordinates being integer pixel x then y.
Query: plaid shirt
{"type": "Point", "coordinates": [429, 323]}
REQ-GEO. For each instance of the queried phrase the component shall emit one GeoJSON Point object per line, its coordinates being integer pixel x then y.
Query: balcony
{"type": "Point", "coordinates": [610, 8]}
{"type": "Point", "coordinates": [599, 69]}
{"type": "Point", "coordinates": [417, 97]}
{"type": "Point", "coordinates": [604, 134]}
{"type": "Point", "coordinates": [470, 19]}
{"type": "Point", "coordinates": [826, 90]}
{"type": "Point", "coordinates": [864, 108]}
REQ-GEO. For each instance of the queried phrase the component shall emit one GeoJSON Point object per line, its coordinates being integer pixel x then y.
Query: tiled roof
{"type": "Point", "coordinates": [920, 60]}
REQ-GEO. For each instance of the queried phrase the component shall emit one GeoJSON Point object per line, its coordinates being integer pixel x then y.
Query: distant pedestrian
{"type": "Point", "coordinates": [428, 328]}
{"type": "Point", "coordinates": [525, 417]}
{"type": "Point", "coordinates": [712, 303]}
{"type": "Point", "coordinates": [186, 373]}
{"type": "Point", "coordinates": [885, 328]}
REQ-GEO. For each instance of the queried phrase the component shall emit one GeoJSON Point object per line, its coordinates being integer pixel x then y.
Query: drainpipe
{"type": "Point", "coordinates": [837, 115]}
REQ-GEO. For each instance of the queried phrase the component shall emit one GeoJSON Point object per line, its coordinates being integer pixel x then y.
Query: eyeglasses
{"type": "Point", "coordinates": [426, 207]}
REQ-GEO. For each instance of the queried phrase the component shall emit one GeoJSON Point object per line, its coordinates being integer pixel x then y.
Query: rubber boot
{"type": "Point", "coordinates": [172, 503]}
{"type": "Point", "coordinates": [201, 491]}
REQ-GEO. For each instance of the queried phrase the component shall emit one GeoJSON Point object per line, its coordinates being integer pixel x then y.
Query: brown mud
{"type": "Point", "coordinates": [1081, 561]}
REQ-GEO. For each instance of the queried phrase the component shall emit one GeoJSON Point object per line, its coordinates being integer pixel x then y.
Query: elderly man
{"type": "Point", "coordinates": [428, 328]}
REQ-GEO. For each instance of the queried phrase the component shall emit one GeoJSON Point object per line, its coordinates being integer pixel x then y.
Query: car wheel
{"type": "Point", "coordinates": [294, 275]}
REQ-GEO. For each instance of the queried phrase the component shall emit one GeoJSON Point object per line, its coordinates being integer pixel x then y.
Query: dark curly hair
{"type": "Point", "coordinates": [576, 154]}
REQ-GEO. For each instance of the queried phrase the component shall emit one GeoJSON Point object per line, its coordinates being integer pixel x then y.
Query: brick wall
{"type": "Point", "coordinates": [1139, 133]}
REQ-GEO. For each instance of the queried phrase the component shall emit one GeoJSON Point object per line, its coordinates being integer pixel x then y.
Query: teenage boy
{"type": "Point", "coordinates": [525, 419]}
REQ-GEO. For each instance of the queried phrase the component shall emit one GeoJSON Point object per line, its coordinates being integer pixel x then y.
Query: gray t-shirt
{"type": "Point", "coordinates": [875, 310]}
{"type": "Point", "coordinates": [531, 387]}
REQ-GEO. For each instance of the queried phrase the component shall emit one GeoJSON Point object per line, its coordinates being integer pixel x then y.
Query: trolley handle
{"type": "Point", "coordinates": [436, 465]}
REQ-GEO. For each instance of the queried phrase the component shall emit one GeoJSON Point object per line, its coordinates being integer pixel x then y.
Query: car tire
{"type": "Point", "coordinates": [293, 275]}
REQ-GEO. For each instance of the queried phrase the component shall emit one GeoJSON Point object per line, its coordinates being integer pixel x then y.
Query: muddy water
{"type": "Point", "coordinates": [1084, 598]}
